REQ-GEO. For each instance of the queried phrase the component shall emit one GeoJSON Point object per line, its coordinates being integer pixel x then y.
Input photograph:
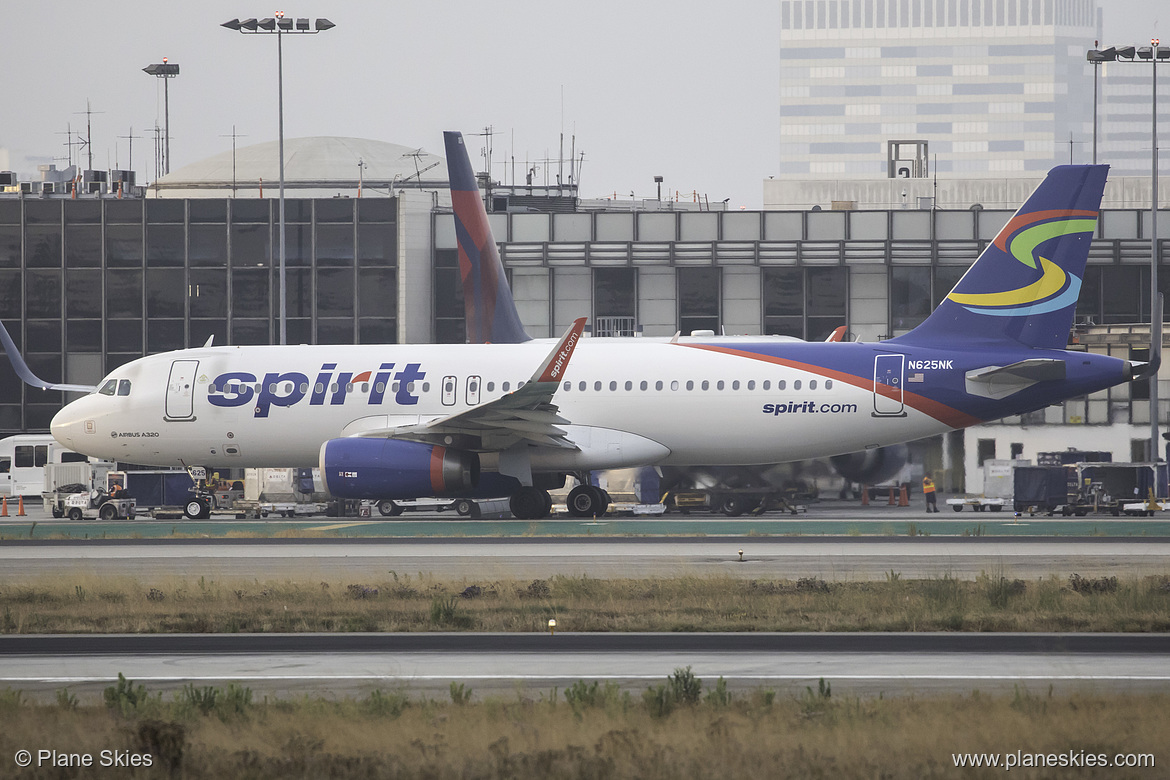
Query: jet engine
{"type": "Point", "coordinates": [392, 468]}
{"type": "Point", "coordinates": [871, 466]}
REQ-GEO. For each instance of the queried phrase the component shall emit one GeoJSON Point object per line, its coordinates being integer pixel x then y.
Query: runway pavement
{"type": "Point", "coordinates": [831, 558]}
{"type": "Point", "coordinates": [502, 664]}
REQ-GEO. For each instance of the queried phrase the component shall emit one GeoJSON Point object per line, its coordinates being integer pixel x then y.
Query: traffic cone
{"type": "Point", "coordinates": [865, 495]}
{"type": "Point", "coordinates": [4, 508]}
{"type": "Point", "coordinates": [892, 502]}
{"type": "Point", "coordinates": [20, 507]}
{"type": "Point", "coordinates": [904, 497]}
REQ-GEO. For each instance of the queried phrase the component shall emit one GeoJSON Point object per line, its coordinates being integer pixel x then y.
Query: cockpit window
{"type": "Point", "coordinates": [109, 387]}
{"type": "Point", "coordinates": [124, 387]}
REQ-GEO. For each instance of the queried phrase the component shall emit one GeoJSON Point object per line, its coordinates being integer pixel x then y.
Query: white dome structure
{"type": "Point", "coordinates": [314, 167]}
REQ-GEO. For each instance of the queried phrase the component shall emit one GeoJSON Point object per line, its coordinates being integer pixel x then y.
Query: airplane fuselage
{"type": "Point", "coordinates": [630, 402]}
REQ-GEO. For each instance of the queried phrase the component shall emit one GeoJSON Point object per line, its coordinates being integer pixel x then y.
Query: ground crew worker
{"type": "Point", "coordinates": [928, 493]}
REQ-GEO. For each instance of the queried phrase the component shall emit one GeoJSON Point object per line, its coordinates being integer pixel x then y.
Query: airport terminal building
{"type": "Point", "coordinates": [90, 282]}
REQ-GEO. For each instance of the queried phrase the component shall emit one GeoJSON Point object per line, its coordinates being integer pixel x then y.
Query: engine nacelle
{"type": "Point", "coordinates": [871, 466]}
{"type": "Point", "coordinates": [392, 468]}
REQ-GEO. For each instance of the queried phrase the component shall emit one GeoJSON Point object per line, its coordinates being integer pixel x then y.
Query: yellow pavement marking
{"type": "Point", "coordinates": [335, 526]}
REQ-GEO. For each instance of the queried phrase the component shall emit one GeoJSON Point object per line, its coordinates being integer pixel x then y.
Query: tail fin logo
{"type": "Point", "coordinates": [1055, 288]}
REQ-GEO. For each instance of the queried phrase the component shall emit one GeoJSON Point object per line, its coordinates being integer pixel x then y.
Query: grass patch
{"type": "Point", "coordinates": [992, 602]}
{"type": "Point", "coordinates": [592, 730]}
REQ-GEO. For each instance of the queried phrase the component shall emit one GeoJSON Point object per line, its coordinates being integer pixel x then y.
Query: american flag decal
{"type": "Point", "coordinates": [915, 377]}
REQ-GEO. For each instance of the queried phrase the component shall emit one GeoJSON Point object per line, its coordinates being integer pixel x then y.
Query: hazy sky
{"type": "Point", "coordinates": [683, 89]}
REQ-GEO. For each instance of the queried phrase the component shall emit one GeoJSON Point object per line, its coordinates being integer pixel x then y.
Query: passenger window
{"type": "Point", "coordinates": [505, 386]}
{"type": "Point", "coordinates": [812, 384]}
{"type": "Point", "coordinates": [644, 385]}
{"type": "Point", "coordinates": [568, 385]}
{"type": "Point", "coordinates": [629, 385]}
{"type": "Point", "coordinates": [674, 384]}
{"type": "Point", "coordinates": [5, 465]}
{"type": "Point", "coordinates": [612, 386]}
{"type": "Point", "coordinates": [658, 385]}
{"type": "Point", "coordinates": [491, 386]}
{"type": "Point", "coordinates": [779, 385]}
{"type": "Point", "coordinates": [305, 387]}
{"type": "Point", "coordinates": [796, 385]}
{"type": "Point", "coordinates": [735, 385]}
{"type": "Point", "coordinates": [109, 387]}
{"type": "Point", "coordinates": [41, 456]}
{"type": "Point", "coordinates": [719, 386]}
{"type": "Point", "coordinates": [768, 384]}
{"type": "Point", "coordinates": [828, 384]}
{"type": "Point", "coordinates": [24, 457]}
{"type": "Point", "coordinates": [581, 386]}
{"type": "Point", "coordinates": [597, 385]}
{"type": "Point", "coordinates": [690, 384]}
{"type": "Point", "coordinates": [380, 387]}
{"type": "Point", "coordinates": [706, 384]}
{"type": "Point", "coordinates": [426, 387]}
{"type": "Point", "coordinates": [751, 384]}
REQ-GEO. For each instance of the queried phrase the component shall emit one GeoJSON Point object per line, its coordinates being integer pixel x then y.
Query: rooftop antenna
{"type": "Point", "coordinates": [234, 136]}
{"type": "Point", "coordinates": [89, 130]}
{"type": "Point", "coordinates": [158, 151]}
{"type": "Point", "coordinates": [70, 143]}
{"type": "Point", "coordinates": [130, 138]}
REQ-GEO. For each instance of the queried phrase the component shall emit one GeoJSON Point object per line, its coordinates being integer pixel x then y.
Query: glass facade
{"type": "Point", "coordinates": [88, 285]}
{"type": "Point", "coordinates": [808, 303]}
{"type": "Point", "coordinates": [995, 86]}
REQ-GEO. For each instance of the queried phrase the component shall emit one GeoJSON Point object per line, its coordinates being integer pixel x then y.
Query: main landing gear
{"type": "Point", "coordinates": [587, 500]}
{"type": "Point", "coordinates": [530, 503]}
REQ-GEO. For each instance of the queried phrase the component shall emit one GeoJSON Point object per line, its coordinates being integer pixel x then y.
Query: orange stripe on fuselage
{"type": "Point", "coordinates": [1020, 220]}
{"type": "Point", "coordinates": [437, 482]}
{"type": "Point", "coordinates": [930, 407]}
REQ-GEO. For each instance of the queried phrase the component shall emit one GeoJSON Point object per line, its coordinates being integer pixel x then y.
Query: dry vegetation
{"type": "Point", "coordinates": [588, 731]}
{"type": "Point", "coordinates": [404, 603]}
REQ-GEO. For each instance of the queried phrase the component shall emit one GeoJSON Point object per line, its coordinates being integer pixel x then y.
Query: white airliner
{"type": "Point", "coordinates": [406, 421]}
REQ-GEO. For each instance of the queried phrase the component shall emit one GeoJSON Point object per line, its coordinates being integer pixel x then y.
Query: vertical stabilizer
{"type": "Point", "coordinates": [1023, 288]}
{"type": "Point", "coordinates": [491, 312]}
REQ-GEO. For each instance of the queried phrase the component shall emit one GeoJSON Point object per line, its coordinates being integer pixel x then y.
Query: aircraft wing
{"type": "Point", "coordinates": [527, 414]}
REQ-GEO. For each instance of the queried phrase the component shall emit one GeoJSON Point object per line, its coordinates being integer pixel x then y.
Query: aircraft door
{"type": "Point", "coordinates": [448, 391]}
{"type": "Point", "coordinates": [888, 379]}
{"type": "Point", "coordinates": [473, 384]}
{"type": "Point", "coordinates": [180, 390]}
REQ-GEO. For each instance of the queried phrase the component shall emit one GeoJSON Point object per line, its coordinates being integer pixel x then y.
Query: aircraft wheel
{"type": "Point", "coordinates": [732, 505]}
{"type": "Point", "coordinates": [528, 503]}
{"type": "Point", "coordinates": [388, 508]}
{"type": "Point", "coordinates": [194, 509]}
{"type": "Point", "coordinates": [548, 504]}
{"type": "Point", "coordinates": [108, 512]}
{"type": "Point", "coordinates": [75, 514]}
{"type": "Point", "coordinates": [463, 507]}
{"type": "Point", "coordinates": [584, 501]}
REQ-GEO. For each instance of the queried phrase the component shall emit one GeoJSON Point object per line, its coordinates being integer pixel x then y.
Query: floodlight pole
{"type": "Point", "coordinates": [277, 24]}
{"type": "Point", "coordinates": [1154, 244]}
{"type": "Point", "coordinates": [280, 112]}
{"type": "Point", "coordinates": [1128, 53]}
{"type": "Point", "coordinates": [165, 71]}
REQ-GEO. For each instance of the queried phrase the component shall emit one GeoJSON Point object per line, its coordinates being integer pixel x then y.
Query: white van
{"type": "Point", "coordinates": [23, 459]}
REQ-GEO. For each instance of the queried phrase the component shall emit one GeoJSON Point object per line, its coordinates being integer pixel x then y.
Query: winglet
{"type": "Point", "coordinates": [26, 374]}
{"type": "Point", "coordinates": [555, 364]}
{"type": "Point", "coordinates": [838, 334]}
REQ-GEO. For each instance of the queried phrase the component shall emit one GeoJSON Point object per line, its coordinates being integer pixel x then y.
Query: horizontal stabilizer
{"type": "Point", "coordinates": [1002, 381]}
